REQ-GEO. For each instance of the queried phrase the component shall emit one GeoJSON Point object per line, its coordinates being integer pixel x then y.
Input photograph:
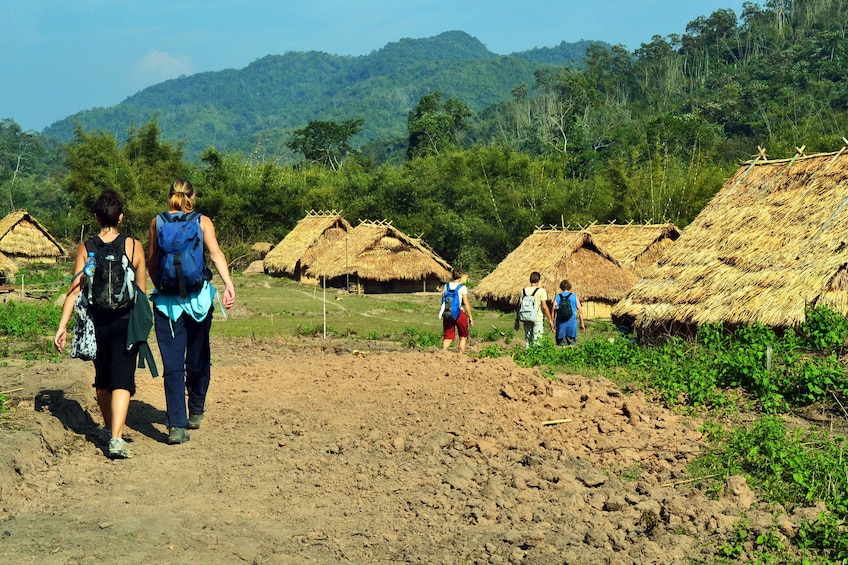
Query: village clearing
{"type": "Point", "coordinates": [354, 451]}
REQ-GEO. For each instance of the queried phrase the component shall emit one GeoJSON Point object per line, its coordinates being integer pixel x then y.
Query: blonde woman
{"type": "Point", "coordinates": [182, 320]}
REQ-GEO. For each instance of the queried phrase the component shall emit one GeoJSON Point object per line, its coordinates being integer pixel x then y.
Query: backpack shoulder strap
{"type": "Point", "coordinates": [130, 257]}
{"type": "Point", "coordinates": [534, 291]}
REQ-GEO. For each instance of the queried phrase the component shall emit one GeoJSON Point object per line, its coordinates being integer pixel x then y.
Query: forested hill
{"type": "Point", "coordinates": [257, 107]}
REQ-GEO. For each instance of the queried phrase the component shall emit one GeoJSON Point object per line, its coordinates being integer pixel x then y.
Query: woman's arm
{"type": "Point", "coordinates": [467, 304]}
{"type": "Point", "coordinates": [219, 260]}
{"type": "Point", "coordinates": [153, 252]}
{"type": "Point", "coordinates": [139, 264]}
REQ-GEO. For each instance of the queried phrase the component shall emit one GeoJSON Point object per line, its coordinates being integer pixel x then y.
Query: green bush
{"type": "Point", "coordinates": [413, 337]}
{"type": "Point", "coordinates": [19, 319]}
{"type": "Point", "coordinates": [793, 468]}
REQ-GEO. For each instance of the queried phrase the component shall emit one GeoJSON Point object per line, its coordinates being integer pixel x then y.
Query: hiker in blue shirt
{"type": "Point", "coordinates": [566, 325]}
{"type": "Point", "coordinates": [183, 318]}
{"type": "Point", "coordinates": [458, 323]}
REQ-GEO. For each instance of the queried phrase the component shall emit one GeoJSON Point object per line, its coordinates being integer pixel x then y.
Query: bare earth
{"type": "Point", "coordinates": [313, 452]}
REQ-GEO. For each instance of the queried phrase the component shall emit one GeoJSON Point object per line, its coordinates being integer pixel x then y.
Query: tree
{"type": "Point", "coordinates": [325, 143]}
{"type": "Point", "coordinates": [434, 126]}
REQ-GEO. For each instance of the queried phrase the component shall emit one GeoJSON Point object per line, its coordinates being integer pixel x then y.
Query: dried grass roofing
{"type": "Point", "coordinates": [379, 251]}
{"type": "Point", "coordinates": [7, 267]}
{"type": "Point", "coordinates": [22, 235]}
{"type": "Point", "coordinates": [312, 235]}
{"type": "Point", "coordinates": [558, 254]}
{"type": "Point", "coordinates": [635, 246]}
{"type": "Point", "coordinates": [769, 243]}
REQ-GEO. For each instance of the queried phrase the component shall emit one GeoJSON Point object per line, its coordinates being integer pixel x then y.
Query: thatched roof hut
{"type": "Point", "coordinates": [310, 238]}
{"type": "Point", "coordinates": [8, 268]}
{"type": "Point", "coordinates": [596, 276]}
{"type": "Point", "coordinates": [379, 258]}
{"type": "Point", "coordinates": [23, 237]}
{"type": "Point", "coordinates": [262, 248]}
{"type": "Point", "coordinates": [769, 244]}
{"type": "Point", "coordinates": [636, 247]}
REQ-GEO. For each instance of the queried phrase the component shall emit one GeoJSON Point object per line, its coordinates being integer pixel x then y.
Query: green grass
{"type": "Point", "coordinates": [275, 307]}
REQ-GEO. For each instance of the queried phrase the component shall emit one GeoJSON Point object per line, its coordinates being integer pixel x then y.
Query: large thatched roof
{"type": "Point", "coordinates": [635, 246]}
{"type": "Point", "coordinates": [310, 238]}
{"type": "Point", "coordinates": [22, 236]}
{"type": "Point", "coordinates": [378, 251]}
{"type": "Point", "coordinates": [557, 255]}
{"type": "Point", "coordinates": [772, 241]}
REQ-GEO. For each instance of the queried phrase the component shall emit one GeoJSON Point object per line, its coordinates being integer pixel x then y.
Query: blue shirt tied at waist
{"type": "Point", "coordinates": [196, 304]}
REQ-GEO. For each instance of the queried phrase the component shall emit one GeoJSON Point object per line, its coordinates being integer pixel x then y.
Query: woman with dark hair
{"type": "Point", "coordinates": [183, 318]}
{"type": "Point", "coordinates": [115, 364]}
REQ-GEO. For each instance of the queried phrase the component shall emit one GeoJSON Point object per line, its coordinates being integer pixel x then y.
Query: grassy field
{"type": "Point", "coordinates": [272, 307]}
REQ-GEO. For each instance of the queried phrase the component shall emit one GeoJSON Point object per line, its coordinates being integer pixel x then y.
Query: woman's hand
{"type": "Point", "coordinates": [229, 297]}
{"type": "Point", "coordinates": [60, 339]}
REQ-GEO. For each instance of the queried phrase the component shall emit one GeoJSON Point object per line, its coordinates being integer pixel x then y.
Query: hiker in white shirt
{"type": "Point", "coordinates": [534, 328]}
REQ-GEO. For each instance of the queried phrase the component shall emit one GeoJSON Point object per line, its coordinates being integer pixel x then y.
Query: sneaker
{"type": "Point", "coordinates": [177, 435]}
{"type": "Point", "coordinates": [194, 421]}
{"type": "Point", "coordinates": [104, 435]}
{"type": "Point", "coordinates": [118, 449]}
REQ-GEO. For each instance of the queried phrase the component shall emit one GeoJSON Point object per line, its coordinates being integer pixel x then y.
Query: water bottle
{"type": "Point", "coordinates": [88, 270]}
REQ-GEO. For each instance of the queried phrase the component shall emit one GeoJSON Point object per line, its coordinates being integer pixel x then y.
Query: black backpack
{"type": "Point", "coordinates": [112, 286]}
{"type": "Point", "coordinates": [564, 309]}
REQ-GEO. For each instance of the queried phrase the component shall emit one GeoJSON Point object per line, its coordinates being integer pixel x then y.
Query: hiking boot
{"type": "Point", "coordinates": [118, 449]}
{"type": "Point", "coordinates": [177, 435]}
{"type": "Point", "coordinates": [194, 421]}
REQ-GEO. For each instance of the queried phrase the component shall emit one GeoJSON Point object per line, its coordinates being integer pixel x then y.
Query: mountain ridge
{"type": "Point", "coordinates": [260, 104]}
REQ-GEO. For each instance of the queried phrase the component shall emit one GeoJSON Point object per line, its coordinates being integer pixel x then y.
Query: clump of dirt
{"type": "Point", "coordinates": [313, 451]}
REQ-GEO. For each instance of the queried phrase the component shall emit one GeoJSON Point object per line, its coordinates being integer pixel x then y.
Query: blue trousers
{"type": "Point", "coordinates": [187, 365]}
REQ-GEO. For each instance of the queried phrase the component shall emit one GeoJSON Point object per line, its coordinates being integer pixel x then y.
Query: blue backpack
{"type": "Point", "coordinates": [181, 265]}
{"type": "Point", "coordinates": [451, 301]}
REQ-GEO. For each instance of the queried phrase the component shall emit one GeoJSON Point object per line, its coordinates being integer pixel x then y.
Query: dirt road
{"type": "Point", "coordinates": [317, 453]}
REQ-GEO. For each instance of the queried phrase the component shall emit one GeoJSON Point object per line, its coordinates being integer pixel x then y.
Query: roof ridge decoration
{"type": "Point", "coordinates": [324, 214]}
{"type": "Point", "coordinates": [376, 223]}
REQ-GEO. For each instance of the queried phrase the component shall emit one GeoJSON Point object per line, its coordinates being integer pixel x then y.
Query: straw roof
{"type": "Point", "coordinates": [313, 234]}
{"type": "Point", "coordinates": [262, 248]}
{"type": "Point", "coordinates": [379, 251]}
{"type": "Point", "coordinates": [7, 267]}
{"type": "Point", "coordinates": [636, 247]}
{"type": "Point", "coordinates": [558, 254]}
{"type": "Point", "coordinates": [21, 235]}
{"type": "Point", "coordinates": [771, 242]}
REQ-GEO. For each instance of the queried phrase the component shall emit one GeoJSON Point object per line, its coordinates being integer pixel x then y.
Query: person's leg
{"type": "Point", "coordinates": [198, 363]}
{"type": "Point", "coordinates": [104, 401]}
{"type": "Point", "coordinates": [448, 333]}
{"type": "Point", "coordinates": [172, 348]}
{"type": "Point", "coordinates": [120, 407]}
{"type": "Point", "coordinates": [462, 330]}
{"type": "Point", "coordinates": [528, 334]}
{"type": "Point", "coordinates": [538, 330]}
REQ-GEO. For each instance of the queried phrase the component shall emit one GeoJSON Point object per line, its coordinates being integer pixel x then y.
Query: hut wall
{"type": "Point", "coordinates": [593, 310]}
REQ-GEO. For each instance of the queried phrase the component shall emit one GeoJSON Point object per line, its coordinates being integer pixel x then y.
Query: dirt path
{"type": "Point", "coordinates": [315, 453]}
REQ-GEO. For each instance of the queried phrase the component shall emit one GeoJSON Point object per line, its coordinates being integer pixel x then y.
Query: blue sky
{"type": "Point", "coordinates": [60, 57]}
